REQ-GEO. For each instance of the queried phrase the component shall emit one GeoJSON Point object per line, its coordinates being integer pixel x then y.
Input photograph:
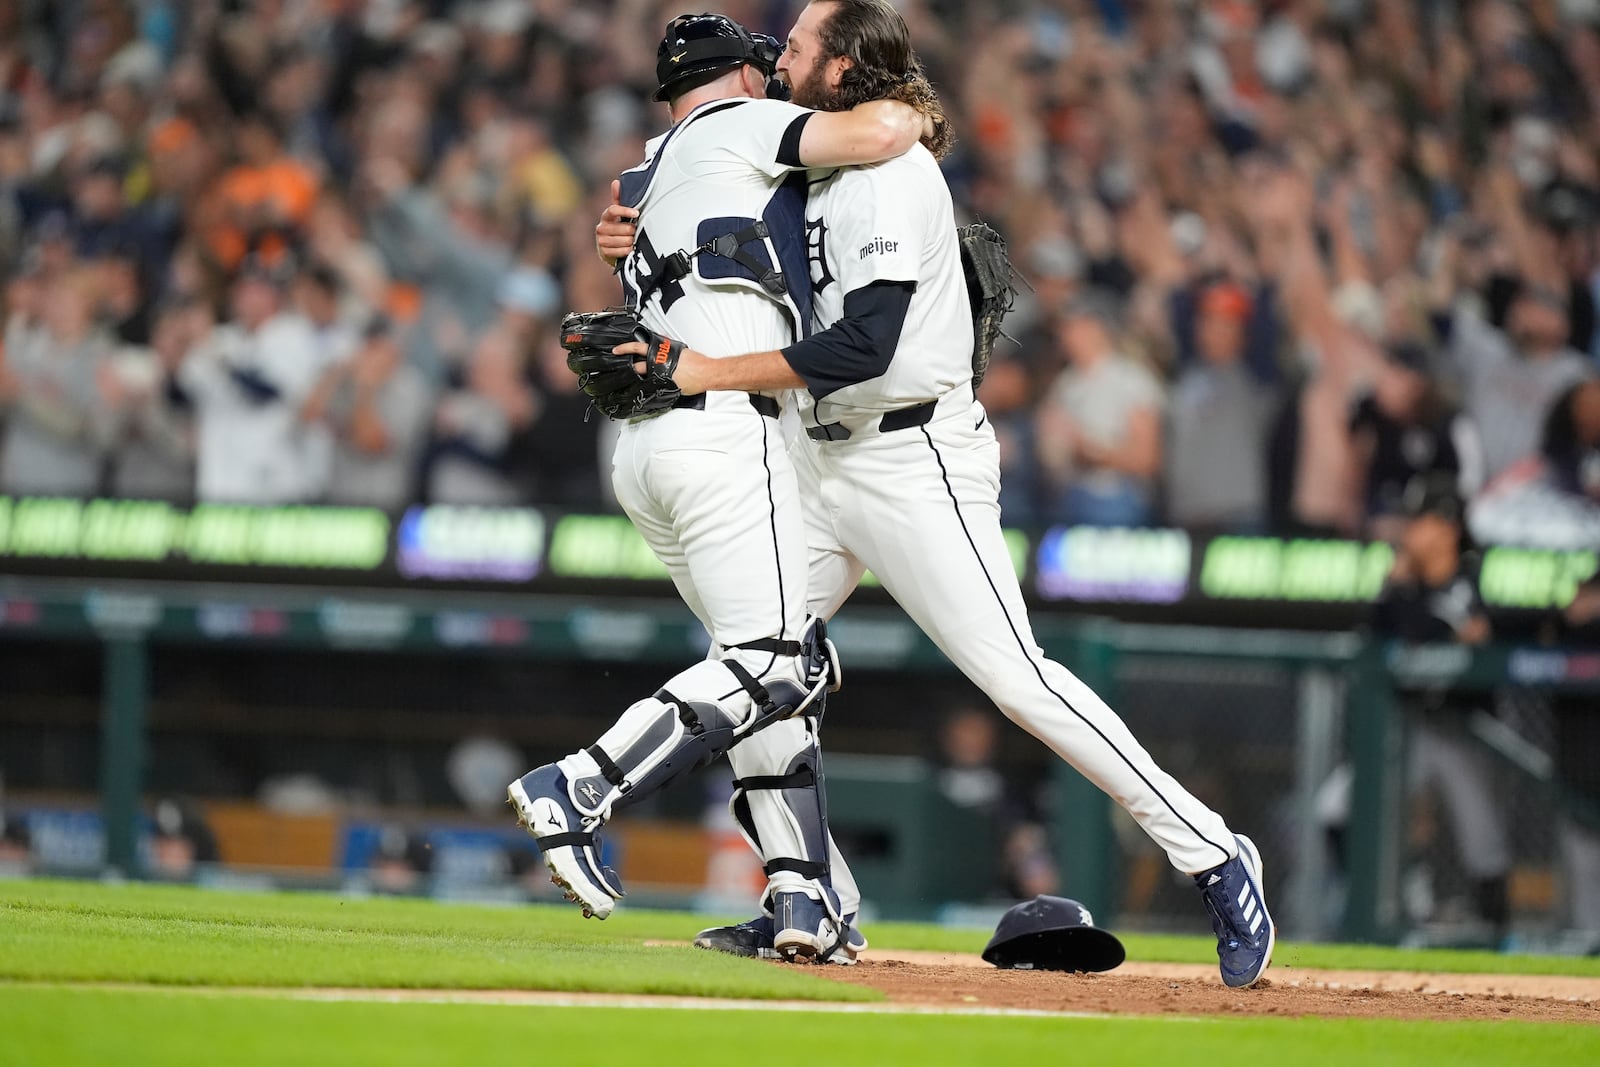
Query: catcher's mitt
{"type": "Point", "coordinates": [615, 387]}
{"type": "Point", "coordinates": [989, 287]}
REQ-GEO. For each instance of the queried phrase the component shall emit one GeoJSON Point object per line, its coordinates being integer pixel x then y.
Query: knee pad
{"type": "Point", "coordinates": [817, 672]}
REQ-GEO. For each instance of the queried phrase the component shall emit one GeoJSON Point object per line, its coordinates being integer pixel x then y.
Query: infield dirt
{"type": "Point", "coordinates": [954, 980]}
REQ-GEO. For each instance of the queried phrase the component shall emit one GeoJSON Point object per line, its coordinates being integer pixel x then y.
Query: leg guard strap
{"type": "Point", "coordinates": [610, 771]}
{"type": "Point", "coordinates": [805, 869]}
{"type": "Point", "coordinates": [805, 776]}
{"type": "Point", "coordinates": [577, 839]}
{"type": "Point", "coordinates": [772, 644]}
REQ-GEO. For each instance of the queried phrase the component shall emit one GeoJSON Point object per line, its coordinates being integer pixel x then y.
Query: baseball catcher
{"type": "Point", "coordinates": [613, 383]}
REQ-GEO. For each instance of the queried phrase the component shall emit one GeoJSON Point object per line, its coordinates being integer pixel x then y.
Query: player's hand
{"type": "Point", "coordinates": [689, 375]}
{"type": "Point", "coordinates": [613, 237]}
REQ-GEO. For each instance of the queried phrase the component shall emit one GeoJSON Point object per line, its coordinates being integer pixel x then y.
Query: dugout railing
{"type": "Point", "coordinates": [1258, 718]}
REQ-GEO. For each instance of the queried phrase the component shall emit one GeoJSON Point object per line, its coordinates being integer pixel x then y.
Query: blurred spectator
{"type": "Point", "coordinates": [264, 201]}
{"type": "Point", "coordinates": [446, 162]}
{"type": "Point", "coordinates": [563, 445]}
{"type": "Point", "coordinates": [155, 453]}
{"type": "Point", "coordinates": [1510, 377]}
{"type": "Point", "coordinates": [1008, 394]}
{"type": "Point", "coordinates": [1403, 429]}
{"type": "Point", "coordinates": [248, 380]}
{"type": "Point", "coordinates": [449, 248]}
{"type": "Point", "coordinates": [16, 846]}
{"type": "Point", "coordinates": [377, 409]}
{"type": "Point", "coordinates": [969, 777]}
{"type": "Point", "coordinates": [1218, 424]}
{"type": "Point", "coordinates": [1551, 500]}
{"type": "Point", "coordinates": [101, 220]}
{"type": "Point", "coordinates": [1577, 738]}
{"type": "Point", "coordinates": [55, 433]}
{"type": "Point", "coordinates": [1099, 431]}
{"type": "Point", "coordinates": [319, 298]}
{"type": "Point", "coordinates": [478, 428]}
{"type": "Point", "coordinates": [478, 768]}
{"type": "Point", "coordinates": [1431, 595]}
{"type": "Point", "coordinates": [401, 862]}
{"type": "Point", "coordinates": [1571, 442]}
{"type": "Point", "coordinates": [336, 239]}
{"type": "Point", "coordinates": [181, 842]}
{"type": "Point", "coordinates": [1313, 463]}
{"type": "Point", "coordinates": [125, 307]}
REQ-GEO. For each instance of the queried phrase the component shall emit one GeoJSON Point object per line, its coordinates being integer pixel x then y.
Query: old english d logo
{"type": "Point", "coordinates": [817, 254]}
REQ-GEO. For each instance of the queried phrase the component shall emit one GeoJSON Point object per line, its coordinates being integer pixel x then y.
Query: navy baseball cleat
{"type": "Point", "coordinates": [1245, 934]}
{"type": "Point", "coordinates": [755, 939]}
{"type": "Point", "coordinates": [566, 839]}
{"type": "Point", "coordinates": [801, 929]}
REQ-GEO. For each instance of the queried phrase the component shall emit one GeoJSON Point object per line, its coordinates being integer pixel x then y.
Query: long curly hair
{"type": "Point", "coordinates": [883, 65]}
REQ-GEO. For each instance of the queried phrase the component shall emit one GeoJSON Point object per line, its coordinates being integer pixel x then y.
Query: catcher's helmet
{"type": "Point", "coordinates": [698, 44]}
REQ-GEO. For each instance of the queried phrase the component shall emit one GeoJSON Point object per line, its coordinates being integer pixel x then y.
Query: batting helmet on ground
{"type": "Point", "coordinates": [1052, 934]}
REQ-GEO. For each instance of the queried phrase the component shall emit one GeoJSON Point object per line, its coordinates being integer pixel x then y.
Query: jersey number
{"type": "Point", "coordinates": [640, 266]}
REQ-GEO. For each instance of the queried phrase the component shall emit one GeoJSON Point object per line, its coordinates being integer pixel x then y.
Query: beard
{"type": "Point", "coordinates": [812, 91]}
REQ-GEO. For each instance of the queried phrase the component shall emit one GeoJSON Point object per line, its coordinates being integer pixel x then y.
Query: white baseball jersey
{"type": "Point", "coordinates": [912, 493]}
{"type": "Point", "coordinates": [891, 222]}
{"type": "Point", "coordinates": [719, 171]}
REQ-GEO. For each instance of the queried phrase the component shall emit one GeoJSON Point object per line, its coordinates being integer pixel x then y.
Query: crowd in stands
{"type": "Point", "coordinates": [1283, 256]}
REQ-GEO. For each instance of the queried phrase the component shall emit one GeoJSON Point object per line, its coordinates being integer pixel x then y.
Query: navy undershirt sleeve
{"type": "Point", "coordinates": [860, 345]}
{"type": "Point", "coordinates": [256, 386]}
{"type": "Point", "coordinates": [789, 146]}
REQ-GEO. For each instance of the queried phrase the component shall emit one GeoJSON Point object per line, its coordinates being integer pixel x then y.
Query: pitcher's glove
{"type": "Point", "coordinates": [616, 389]}
{"type": "Point", "coordinates": [991, 288]}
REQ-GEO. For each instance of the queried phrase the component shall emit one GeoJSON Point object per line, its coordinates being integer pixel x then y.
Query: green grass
{"type": "Point", "coordinates": [83, 931]}
{"type": "Point", "coordinates": [44, 1027]}
{"type": "Point", "coordinates": [58, 939]}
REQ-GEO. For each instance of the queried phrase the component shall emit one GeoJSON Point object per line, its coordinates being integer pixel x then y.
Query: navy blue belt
{"type": "Point", "coordinates": [899, 419]}
{"type": "Point", "coordinates": [764, 404]}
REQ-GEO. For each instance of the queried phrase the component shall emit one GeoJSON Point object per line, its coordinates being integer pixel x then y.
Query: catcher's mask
{"type": "Point", "coordinates": [1052, 934]}
{"type": "Point", "coordinates": [696, 45]}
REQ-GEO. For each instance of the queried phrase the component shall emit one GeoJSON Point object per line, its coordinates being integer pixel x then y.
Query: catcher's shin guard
{"type": "Point", "coordinates": [785, 818]}
{"type": "Point", "coordinates": [664, 737]}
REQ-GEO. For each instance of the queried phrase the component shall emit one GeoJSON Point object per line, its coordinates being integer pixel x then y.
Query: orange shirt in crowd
{"type": "Point", "coordinates": [249, 198]}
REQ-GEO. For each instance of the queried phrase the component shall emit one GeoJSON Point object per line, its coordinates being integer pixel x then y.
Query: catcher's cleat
{"type": "Point", "coordinates": [1238, 907]}
{"type": "Point", "coordinates": [802, 930]}
{"type": "Point", "coordinates": [755, 939]}
{"type": "Point", "coordinates": [566, 839]}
